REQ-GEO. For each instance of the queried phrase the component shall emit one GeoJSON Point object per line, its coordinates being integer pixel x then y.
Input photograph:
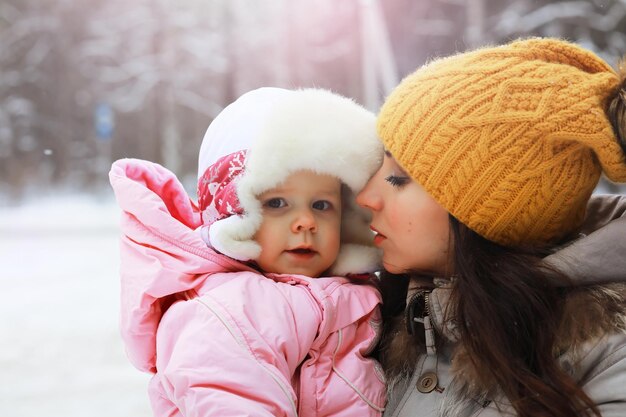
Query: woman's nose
{"type": "Point", "coordinates": [304, 221]}
{"type": "Point", "coordinates": [369, 197]}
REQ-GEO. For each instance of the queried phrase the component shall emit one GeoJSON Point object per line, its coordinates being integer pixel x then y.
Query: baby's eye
{"type": "Point", "coordinates": [275, 203]}
{"type": "Point", "coordinates": [397, 181]}
{"type": "Point", "coordinates": [322, 205]}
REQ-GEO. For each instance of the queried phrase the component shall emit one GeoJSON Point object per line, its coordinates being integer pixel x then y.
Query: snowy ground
{"type": "Point", "coordinates": [60, 350]}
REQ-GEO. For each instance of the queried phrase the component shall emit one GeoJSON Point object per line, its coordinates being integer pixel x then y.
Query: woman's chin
{"type": "Point", "coordinates": [392, 268]}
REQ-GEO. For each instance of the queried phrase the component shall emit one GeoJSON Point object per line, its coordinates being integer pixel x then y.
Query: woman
{"type": "Point", "coordinates": [508, 290]}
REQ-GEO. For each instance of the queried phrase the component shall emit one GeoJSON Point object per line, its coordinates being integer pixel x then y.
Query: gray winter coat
{"type": "Point", "coordinates": [593, 334]}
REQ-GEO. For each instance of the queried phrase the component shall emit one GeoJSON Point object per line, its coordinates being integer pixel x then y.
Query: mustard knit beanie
{"type": "Point", "coordinates": [511, 140]}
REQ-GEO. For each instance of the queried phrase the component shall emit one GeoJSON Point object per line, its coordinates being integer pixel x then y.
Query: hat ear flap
{"type": "Point", "coordinates": [230, 236]}
{"type": "Point", "coordinates": [356, 254]}
{"type": "Point", "coordinates": [356, 259]}
{"type": "Point", "coordinates": [355, 220]}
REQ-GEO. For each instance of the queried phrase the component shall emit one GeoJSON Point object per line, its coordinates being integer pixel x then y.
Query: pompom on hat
{"type": "Point", "coordinates": [256, 142]}
{"type": "Point", "coordinates": [511, 140]}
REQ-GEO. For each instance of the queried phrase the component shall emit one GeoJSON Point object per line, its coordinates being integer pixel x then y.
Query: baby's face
{"type": "Point", "coordinates": [300, 233]}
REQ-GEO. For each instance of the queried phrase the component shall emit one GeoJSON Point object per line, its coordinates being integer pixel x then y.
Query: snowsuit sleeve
{"type": "Point", "coordinates": [340, 379]}
{"type": "Point", "coordinates": [220, 356]}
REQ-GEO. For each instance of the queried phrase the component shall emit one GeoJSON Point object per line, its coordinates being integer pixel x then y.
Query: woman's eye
{"type": "Point", "coordinates": [275, 203]}
{"type": "Point", "coordinates": [397, 181]}
{"type": "Point", "coordinates": [322, 205]}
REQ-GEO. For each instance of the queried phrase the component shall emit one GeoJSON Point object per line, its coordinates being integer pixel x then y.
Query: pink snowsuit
{"type": "Point", "coordinates": [221, 338]}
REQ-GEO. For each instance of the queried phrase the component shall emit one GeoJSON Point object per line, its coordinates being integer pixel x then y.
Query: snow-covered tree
{"type": "Point", "coordinates": [167, 67]}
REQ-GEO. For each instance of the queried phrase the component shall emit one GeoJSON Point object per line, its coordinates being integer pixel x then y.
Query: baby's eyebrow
{"type": "Point", "coordinates": [278, 189]}
{"type": "Point", "coordinates": [388, 153]}
{"type": "Point", "coordinates": [330, 193]}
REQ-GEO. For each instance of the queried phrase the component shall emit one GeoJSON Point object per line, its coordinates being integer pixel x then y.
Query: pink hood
{"type": "Point", "coordinates": [162, 254]}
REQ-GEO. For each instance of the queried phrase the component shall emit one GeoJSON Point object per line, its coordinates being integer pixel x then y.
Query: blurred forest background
{"type": "Point", "coordinates": [83, 83]}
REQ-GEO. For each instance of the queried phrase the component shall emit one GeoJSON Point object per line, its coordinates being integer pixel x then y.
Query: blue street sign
{"type": "Point", "coordinates": [104, 121]}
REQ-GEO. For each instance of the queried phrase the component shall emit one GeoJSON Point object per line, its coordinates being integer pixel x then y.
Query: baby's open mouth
{"type": "Point", "coordinates": [301, 251]}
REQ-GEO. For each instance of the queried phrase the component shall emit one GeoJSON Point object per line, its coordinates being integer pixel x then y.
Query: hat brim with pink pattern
{"type": "Point", "coordinates": [256, 142]}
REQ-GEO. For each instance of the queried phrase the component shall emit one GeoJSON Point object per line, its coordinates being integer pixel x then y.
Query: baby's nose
{"type": "Point", "coordinates": [304, 221]}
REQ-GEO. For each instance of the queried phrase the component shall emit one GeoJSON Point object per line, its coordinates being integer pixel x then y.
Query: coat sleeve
{"type": "Point", "coordinates": [601, 372]}
{"type": "Point", "coordinates": [212, 361]}
{"type": "Point", "coordinates": [604, 375]}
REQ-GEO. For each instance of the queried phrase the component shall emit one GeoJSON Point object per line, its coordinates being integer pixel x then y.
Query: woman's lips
{"type": "Point", "coordinates": [379, 238]}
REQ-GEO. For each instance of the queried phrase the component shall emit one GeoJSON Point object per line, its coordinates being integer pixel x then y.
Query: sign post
{"type": "Point", "coordinates": [104, 121]}
{"type": "Point", "coordinates": [104, 126]}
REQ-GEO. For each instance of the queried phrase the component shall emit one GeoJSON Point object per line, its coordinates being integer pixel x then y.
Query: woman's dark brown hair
{"type": "Point", "coordinates": [508, 315]}
{"type": "Point", "coordinates": [617, 108]}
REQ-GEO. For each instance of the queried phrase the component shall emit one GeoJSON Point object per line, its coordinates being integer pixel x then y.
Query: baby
{"type": "Point", "coordinates": [251, 316]}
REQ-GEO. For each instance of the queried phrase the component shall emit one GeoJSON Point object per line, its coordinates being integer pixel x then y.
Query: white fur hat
{"type": "Point", "coordinates": [284, 131]}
